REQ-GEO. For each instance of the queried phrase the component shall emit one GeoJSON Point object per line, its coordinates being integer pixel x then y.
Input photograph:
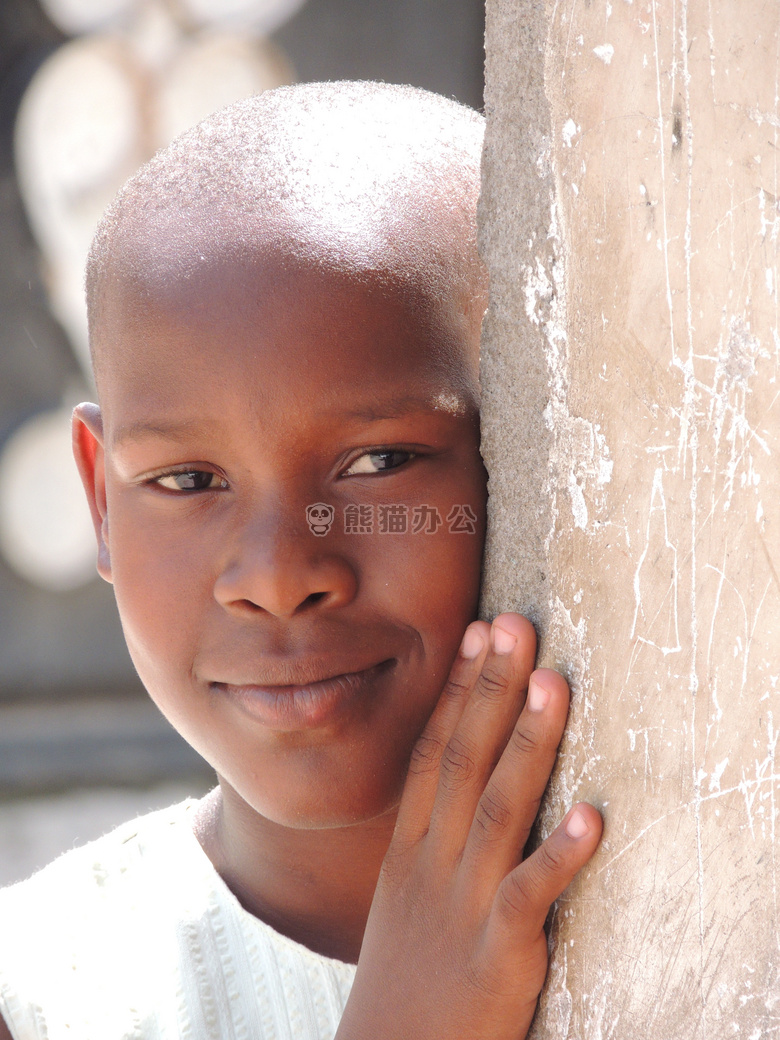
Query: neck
{"type": "Point", "coordinates": [313, 885]}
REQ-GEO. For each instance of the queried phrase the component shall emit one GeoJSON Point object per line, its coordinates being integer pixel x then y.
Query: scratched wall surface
{"type": "Point", "coordinates": [634, 330]}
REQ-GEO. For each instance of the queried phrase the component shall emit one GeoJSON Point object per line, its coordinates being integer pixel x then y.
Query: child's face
{"type": "Point", "coordinates": [302, 666]}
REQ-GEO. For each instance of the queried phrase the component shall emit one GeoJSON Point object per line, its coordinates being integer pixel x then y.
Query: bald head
{"type": "Point", "coordinates": [364, 178]}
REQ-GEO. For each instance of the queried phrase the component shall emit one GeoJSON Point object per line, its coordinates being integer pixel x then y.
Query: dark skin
{"type": "Point", "coordinates": [309, 670]}
{"type": "Point", "coordinates": [291, 393]}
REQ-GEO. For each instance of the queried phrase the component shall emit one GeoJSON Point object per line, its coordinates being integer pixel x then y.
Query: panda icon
{"type": "Point", "coordinates": [320, 518]}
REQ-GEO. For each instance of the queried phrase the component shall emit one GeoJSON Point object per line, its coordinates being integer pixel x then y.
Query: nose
{"type": "Point", "coordinates": [276, 565]}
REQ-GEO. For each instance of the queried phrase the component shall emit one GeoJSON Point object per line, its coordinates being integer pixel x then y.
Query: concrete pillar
{"type": "Point", "coordinates": [632, 430]}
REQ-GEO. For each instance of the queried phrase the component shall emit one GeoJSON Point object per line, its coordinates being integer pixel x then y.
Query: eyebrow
{"type": "Point", "coordinates": [405, 406]}
{"type": "Point", "coordinates": [181, 429]}
{"type": "Point", "coordinates": [174, 431]}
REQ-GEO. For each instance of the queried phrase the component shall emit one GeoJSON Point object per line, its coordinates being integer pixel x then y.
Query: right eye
{"type": "Point", "coordinates": [190, 480]}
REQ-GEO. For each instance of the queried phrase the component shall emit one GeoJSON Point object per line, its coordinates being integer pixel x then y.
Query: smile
{"type": "Point", "coordinates": [305, 706]}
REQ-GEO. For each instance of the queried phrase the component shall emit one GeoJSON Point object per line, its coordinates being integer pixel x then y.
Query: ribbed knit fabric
{"type": "Point", "coordinates": [136, 937]}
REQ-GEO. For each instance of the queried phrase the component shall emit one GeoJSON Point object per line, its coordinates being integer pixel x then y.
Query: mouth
{"type": "Point", "coordinates": [308, 705]}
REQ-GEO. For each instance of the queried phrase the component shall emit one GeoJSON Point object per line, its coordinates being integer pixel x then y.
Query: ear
{"type": "Point", "coordinates": [90, 459]}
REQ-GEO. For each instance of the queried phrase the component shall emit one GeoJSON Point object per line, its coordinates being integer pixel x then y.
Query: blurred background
{"type": "Point", "coordinates": [89, 89]}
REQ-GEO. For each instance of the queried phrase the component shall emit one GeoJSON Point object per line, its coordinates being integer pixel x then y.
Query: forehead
{"type": "Point", "coordinates": [283, 332]}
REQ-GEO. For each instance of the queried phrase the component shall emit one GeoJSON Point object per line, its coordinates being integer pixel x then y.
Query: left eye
{"type": "Point", "coordinates": [376, 461]}
{"type": "Point", "coordinates": [190, 480]}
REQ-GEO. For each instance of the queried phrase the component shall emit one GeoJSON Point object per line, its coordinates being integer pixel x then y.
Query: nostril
{"type": "Point", "coordinates": [284, 583]}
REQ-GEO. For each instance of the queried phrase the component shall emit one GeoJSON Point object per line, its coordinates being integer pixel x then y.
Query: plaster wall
{"type": "Point", "coordinates": [632, 431]}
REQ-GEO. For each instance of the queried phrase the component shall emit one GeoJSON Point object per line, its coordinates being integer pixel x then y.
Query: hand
{"type": "Point", "coordinates": [455, 947]}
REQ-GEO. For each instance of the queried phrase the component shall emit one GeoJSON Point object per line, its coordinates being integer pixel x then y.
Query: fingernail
{"type": "Point", "coordinates": [472, 644]}
{"type": "Point", "coordinates": [537, 697]}
{"type": "Point", "coordinates": [503, 641]}
{"type": "Point", "coordinates": [576, 825]}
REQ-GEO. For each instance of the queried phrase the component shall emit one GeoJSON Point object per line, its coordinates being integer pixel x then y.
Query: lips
{"type": "Point", "coordinates": [308, 704]}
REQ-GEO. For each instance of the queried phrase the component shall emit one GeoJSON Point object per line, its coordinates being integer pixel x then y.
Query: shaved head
{"type": "Point", "coordinates": [358, 177]}
{"type": "Point", "coordinates": [285, 310]}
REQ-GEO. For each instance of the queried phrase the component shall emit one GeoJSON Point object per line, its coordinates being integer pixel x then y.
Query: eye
{"type": "Point", "coordinates": [190, 480]}
{"type": "Point", "coordinates": [377, 461]}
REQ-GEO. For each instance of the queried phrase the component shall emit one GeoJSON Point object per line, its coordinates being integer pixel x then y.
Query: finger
{"type": "Point", "coordinates": [422, 779]}
{"type": "Point", "coordinates": [482, 731]}
{"type": "Point", "coordinates": [526, 894]}
{"type": "Point", "coordinates": [510, 801]}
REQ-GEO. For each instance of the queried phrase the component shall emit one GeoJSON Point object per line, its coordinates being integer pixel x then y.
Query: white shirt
{"type": "Point", "coordinates": [136, 937]}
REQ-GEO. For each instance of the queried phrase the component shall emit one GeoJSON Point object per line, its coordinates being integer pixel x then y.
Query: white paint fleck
{"type": "Point", "coordinates": [657, 625]}
{"type": "Point", "coordinates": [446, 401]}
{"type": "Point", "coordinates": [604, 52]}
{"type": "Point", "coordinates": [568, 132]}
{"type": "Point", "coordinates": [717, 773]}
{"type": "Point", "coordinates": [605, 471]}
{"type": "Point", "coordinates": [579, 507]}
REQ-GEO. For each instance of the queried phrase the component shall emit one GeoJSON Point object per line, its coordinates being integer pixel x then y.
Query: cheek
{"type": "Point", "coordinates": [448, 581]}
{"type": "Point", "coordinates": [430, 582]}
{"type": "Point", "coordinates": [162, 582]}
{"type": "Point", "coordinates": [452, 569]}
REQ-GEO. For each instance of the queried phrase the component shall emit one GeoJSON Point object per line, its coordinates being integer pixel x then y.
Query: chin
{"type": "Point", "coordinates": [320, 813]}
